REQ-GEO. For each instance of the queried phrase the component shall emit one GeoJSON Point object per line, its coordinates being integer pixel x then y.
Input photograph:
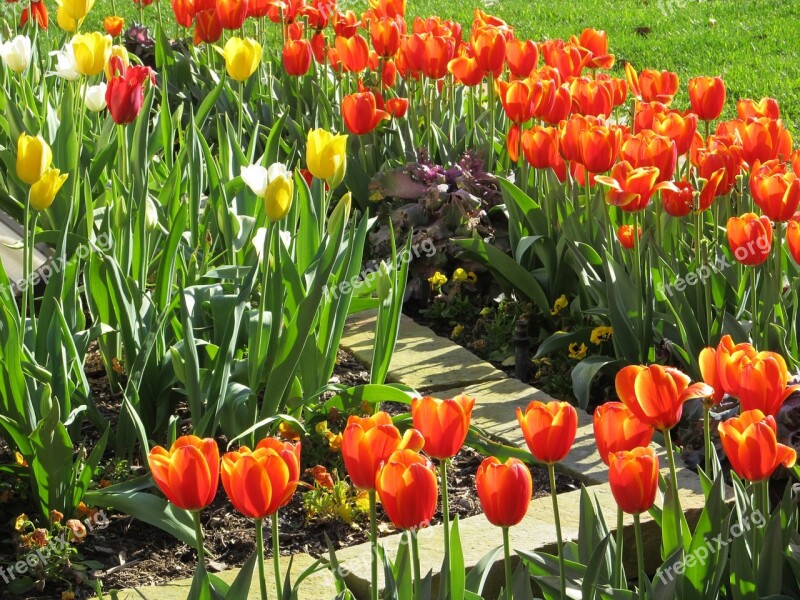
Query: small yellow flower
{"type": "Point", "coordinates": [20, 523]}
{"type": "Point", "coordinates": [20, 460]}
{"type": "Point", "coordinates": [601, 334]}
{"type": "Point", "coordinates": [459, 275]}
{"type": "Point", "coordinates": [362, 501]}
{"type": "Point", "coordinates": [485, 311]}
{"type": "Point", "coordinates": [577, 352]}
{"type": "Point", "coordinates": [457, 331]}
{"type": "Point", "coordinates": [345, 513]}
{"type": "Point", "coordinates": [559, 305]}
{"type": "Point", "coordinates": [437, 280]}
{"type": "Point", "coordinates": [321, 427]}
{"type": "Point", "coordinates": [334, 440]}
{"type": "Point", "coordinates": [287, 432]}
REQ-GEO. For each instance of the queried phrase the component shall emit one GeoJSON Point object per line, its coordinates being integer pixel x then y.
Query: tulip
{"type": "Point", "coordinates": [187, 473]}
{"type": "Point", "coordinates": [750, 238]}
{"type": "Point", "coordinates": [633, 477]}
{"type": "Point", "coordinates": [762, 382]}
{"type": "Point", "coordinates": [762, 139]}
{"type": "Point", "coordinates": [751, 443]}
{"type": "Point", "coordinates": [184, 12]}
{"type": "Point", "coordinates": [793, 239]}
{"type": "Point", "coordinates": [275, 186]}
{"type": "Point", "coordinates": [678, 200]}
{"type": "Point", "coordinates": [549, 429]}
{"type": "Point", "coordinates": [44, 191]}
{"type": "Point", "coordinates": [650, 85]}
{"type": "Point", "coordinates": [65, 22]}
{"type": "Point", "coordinates": [406, 485]}
{"type": "Point", "coordinates": [95, 96]}
{"type": "Point", "coordinates": [625, 236]}
{"type": "Point", "coordinates": [242, 57]}
{"type": "Point", "coordinates": [353, 52]}
{"type": "Point", "coordinates": [360, 113]}
{"type": "Point", "coordinates": [766, 107]}
{"type": "Point", "coordinates": [646, 112]}
{"type": "Point", "coordinates": [504, 490]}
{"type": "Point", "coordinates": [775, 190]}
{"type": "Point", "coordinates": [207, 27]}
{"type": "Point", "coordinates": [599, 147]}
{"type": "Point", "coordinates": [729, 160]}
{"type": "Point", "coordinates": [65, 64]}
{"type": "Point", "coordinates": [231, 14]}
{"type": "Point", "coordinates": [728, 357]}
{"type": "Point", "coordinates": [92, 51]}
{"type": "Point", "coordinates": [596, 42]}
{"type": "Point", "coordinates": [489, 47]}
{"type": "Point", "coordinates": [619, 88]}
{"type": "Point", "coordinates": [560, 108]}
{"type": "Point", "coordinates": [385, 36]}
{"type": "Point", "coordinates": [397, 107]}
{"type": "Point", "coordinates": [631, 189]}
{"type": "Point", "coordinates": [568, 60]}
{"type": "Point", "coordinates": [326, 156]}
{"type": "Point", "coordinates": [76, 9]}
{"type": "Point", "coordinates": [297, 56]}
{"type": "Point", "coordinates": [540, 146]}
{"type": "Point", "coordinates": [38, 10]}
{"type": "Point", "coordinates": [648, 149]}
{"type": "Point", "coordinates": [617, 429]}
{"type": "Point", "coordinates": [33, 158]}
{"type": "Point", "coordinates": [125, 92]}
{"type": "Point", "coordinates": [677, 127]}
{"type": "Point", "coordinates": [521, 57]}
{"type": "Point", "coordinates": [707, 95]}
{"type": "Point", "coordinates": [113, 25]}
{"type": "Point", "coordinates": [592, 97]}
{"type": "Point", "coordinates": [16, 53]}
{"type": "Point", "coordinates": [517, 100]}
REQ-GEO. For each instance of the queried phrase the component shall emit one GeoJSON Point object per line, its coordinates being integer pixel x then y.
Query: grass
{"type": "Point", "coordinates": [752, 44]}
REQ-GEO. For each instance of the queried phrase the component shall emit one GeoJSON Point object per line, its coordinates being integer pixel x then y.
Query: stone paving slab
{"type": "Point", "coordinates": [315, 587]}
{"type": "Point", "coordinates": [536, 532]}
{"type": "Point", "coordinates": [423, 360]}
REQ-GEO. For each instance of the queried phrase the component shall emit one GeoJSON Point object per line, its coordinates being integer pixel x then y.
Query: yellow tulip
{"type": "Point", "coordinates": [65, 21]}
{"type": "Point", "coordinates": [92, 51]}
{"type": "Point", "coordinates": [44, 191]}
{"type": "Point", "coordinates": [242, 57]}
{"type": "Point", "coordinates": [77, 9]}
{"type": "Point", "coordinates": [326, 156]}
{"type": "Point", "coordinates": [33, 158]}
{"type": "Point", "coordinates": [274, 185]}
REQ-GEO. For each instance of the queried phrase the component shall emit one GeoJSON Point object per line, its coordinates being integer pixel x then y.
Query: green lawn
{"type": "Point", "coordinates": [753, 44]}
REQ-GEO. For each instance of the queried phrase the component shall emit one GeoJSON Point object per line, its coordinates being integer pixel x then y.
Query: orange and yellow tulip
{"type": "Point", "coordinates": [113, 25]}
{"type": "Point", "coordinates": [750, 238]}
{"type": "Point", "coordinates": [616, 428]}
{"type": "Point", "coordinates": [751, 444]}
{"type": "Point", "coordinates": [678, 127]}
{"type": "Point", "coordinates": [489, 47]}
{"type": "Point", "coordinates": [297, 56]}
{"type": "Point", "coordinates": [465, 70]}
{"type": "Point", "coordinates": [599, 147]}
{"type": "Point", "coordinates": [762, 382]}
{"type": "Point", "coordinates": [762, 139]}
{"type": "Point", "coordinates": [625, 236]}
{"type": "Point", "coordinates": [517, 100]}
{"type": "Point", "coordinates": [776, 190]}
{"type": "Point", "coordinates": [596, 42]}
{"type": "Point", "coordinates": [592, 96]}
{"type": "Point", "coordinates": [707, 95]}
{"type": "Point", "coordinates": [540, 146]}
{"type": "Point", "coordinates": [521, 57]}
{"type": "Point", "coordinates": [353, 52]}
{"type": "Point", "coordinates": [549, 429]}
{"type": "Point", "coordinates": [648, 149]}
{"type": "Point", "coordinates": [766, 107]}
{"type": "Point", "coordinates": [187, 473]}
{"type": "Point", "coordinates": [631, 189]}
{"type": "Point", "coordinates": [650, 85]}
{"type": "Point", "coordinates": [407, 488]}
{"type": "Point", "coordinates": [443, 423]}
{"type": "Point", "coordinates": [385, 35]}
{"type": "Point", "coordinates": [504, 490]}
{"type": "Point", "coordinates": [633, 477]}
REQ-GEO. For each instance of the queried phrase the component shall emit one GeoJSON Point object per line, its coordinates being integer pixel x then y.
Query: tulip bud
{"type": "Point", "coordinates": [44, 191]}
{"type": "Point", "coordinates": [95, 96]}
{"type": "Point", "coordinates": [16, 53]}
{"type": "Point", "coordinates": [326, 156]}
{"type": "Point", "coordinates": [278, 196]}
{"type": "Point", "coordinates": [341, 212]}
{"type": "Point", "coordinates": [384, 283]}
{"type": "Point", "coordinates": [150, 215]}
{"type": "Point", "coordinates": [33, 158]}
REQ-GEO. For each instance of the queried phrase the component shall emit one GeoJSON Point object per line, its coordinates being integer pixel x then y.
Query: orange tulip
{"type": "Point", "coordinates": [437, 54]}
{"type": "Point", "coordinates": [677, 127]}
{"type": "Point", "coordinates": [231, 13]}
{"type": "Point", "coordinates": [517, 100]}
{"type": "Point", "coordinates": [345, 24]}
{"type": "Point", "coordinates": [569, 136]}
{"type": "Point", "coordinates": [648, 149]}
{"type": "Point", "coordinates": [633, 477]}
{"type": "Point", "coordinates": [388, 8]}
{"type": "Point", "coordinates": [596, 42]}
{"type": "Point", "coordinates": [646, 113]}
{"type": "Point", "coordinates": [567, 59]}
{"type": "Point", "coordinates": [465, 70]}
{"type": "Point", "coordinates": [38, 9]}
{"type": "Point", "coordinates": [521, 57]}
{"type": "Point", "coordinates": [397, 107]}
{"type": "Point", "coordinates": [650, 85]}
{"type": "Point", "coordinates": [599, 147]}
{"type": "Point", "coordinates": [619, 88]}
{"type": "Point", "coordinates": [631, 189]}
{"type": "Point", "coordinates": [443, 423]}
{"type": "Point", "coordinates": [389, 73]}
{"type": "Point", "coordinates": [728, 356]}
{"type": "Point", "coordinates": [766, 107]}
{"type": "Point", "coordinates": [655, 394]}
{"type": "Point", "coordinates": [751, 443]}
{"type": "Point", "coordinates": [540, 146]}
{"type": "Point", "coordinates": [113, 25]}
{"type": "Point", "coordinates": [762, 139]}
{"type": "Point", "coordinates": [385, 35]}
{"type": "Point", "coordinates": [711, 374]}
{"type": "Point", "coordinates": [259, 482]}
{"type": "Point", "coordinates": [361, 114]}
{"type": "Point", "coordinates": [727, 159]}
{"type": "Point", "coordinates": [407, 488]}
{"type": "Point", "coordinates": [678, 200]}
{"type": "Point", "coordinates": [625, 236]}
{"type": "Point", "coordinates": [297, 56]}
{"type": "Point", "coordinates": [504, 490]}
{"type": "Point", "coordinates": [549, 429]}
{"type": "Point", "coordinates": [560, 107]}
{"type": "Point", "coordinates": [489, 47]}
{"type": "Point", "coordinates": [793, 239]}
{"type": "Point", "coordinates": [207, 27]}
{"type": "Point", "coordinates": [369, 441]}
{"type": "Point", "coordinates": [353, 52]}
{"type": "Point", "coordinates": [763, 382]}
{"type": "Point", "coordinates": [592, 96]}
{"type": "Point", "coordinates": [707, 95]}
{"type": "Point", "coordinates": [617, 429]}
{"type": "Point", "coordinates": [750, 238]}
{"type": "Point", "coordinates": [185, 11]}
{"type": "Point", "coordinates": [775, 190]}
{"type": "Point", "coordinates": [187, 474]}
{"type": "Point", "coordinates": [513, 138]}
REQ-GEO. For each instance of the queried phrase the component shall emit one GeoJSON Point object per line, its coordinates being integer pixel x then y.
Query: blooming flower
{"type": "Point", "coordinates": [560, 304]}
{"type": "Point", "coordinates": [601, 334]}
{"type": "Point", "coordinates": [577, 351]}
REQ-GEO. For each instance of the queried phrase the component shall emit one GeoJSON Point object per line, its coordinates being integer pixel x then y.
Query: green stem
{"type": "Point", "coordinates": [415, 560]}
{"type": "Point", "coordinates": [276, 555]}
{"type": "Point", "coordinates": [445, 513]}
{"type": "Point", "coordinates": [639, 556]}
{"type": "Point", "coordinates": [27, 252]}
{"type": "Point", "coordinates": [507, 562]}
{"type": "Point", "coordinates": [492, 107]}
{"type": "Point", "coordinates": [778, 247]}
{"type": "Point", "coordinates": [198, 532]}
{"type": "Point", "coordinates": [262, 579]}
{"type": "Point", "coordinates": [373, 538]}
{"type": "Point", "coordinates": [562, 573]}
{"type": "Point", "coordinates": [616, 577]}
{"type": "Point", "coordinates": [673, 474]}
{"type": "Point", "coordinates": [754, 333]}
{"type": "Point", "coordinates": [241, 113]}
{"type": "Point", "coordinates": [707, 438]}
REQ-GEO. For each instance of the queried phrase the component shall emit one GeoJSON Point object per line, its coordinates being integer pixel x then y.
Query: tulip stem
{"type": "Point", "coordinates": [28, 250]}
{"type": "Point", "coordinates": [198, 532]}
{"type": "Point", "coordinates": [445, 514]}
{"type": "Point", "coordinates": [674, 482]}
{"type": "Point", "coordinates": [241, 112]}
{"type": "Point", "coordinates": [616, 576]}
{"type": "Point", "coordinates": [373, 538]}
{"type": "Point", "coordinates": [276, 554]}
{"type": "Point", "coordinates": [415, 559]}
{"type": "Point", "coordinates": [507, 551]}
{"type": "Point", "coordinates": [754, 334]}
{"type": "Point", "coordinates": [707, 437]}
{"type": "Point", "coordinates": [778, 247]}
{"type": "Point", "coordinates": [562, 573]}
{"type": "Point", "coordinates": [262, 580]}
{"type": "Point", "coordinates": [491, 99]}
{"type": "Point", "coordinates": [639, 556]}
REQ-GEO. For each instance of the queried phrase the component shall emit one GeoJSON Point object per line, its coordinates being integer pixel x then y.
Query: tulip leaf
{"type": "Point", "coordinates": [457, 568]}
{"type": "Point", "coordinates": [479, 574]}
{"type": "Point", "coordinates": [583, 375]}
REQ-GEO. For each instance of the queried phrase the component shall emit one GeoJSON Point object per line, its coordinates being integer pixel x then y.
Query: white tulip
{"type": "Point", "coordinates": [16, 53]}
{"type": "Point", "coordinates": [66, 68]}
{"type": "Point", "coordinates": [258, 178]}
{"type": "Point", "coordinates": [96, 97]}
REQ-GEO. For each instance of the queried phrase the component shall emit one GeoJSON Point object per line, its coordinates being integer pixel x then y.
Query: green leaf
{"type": "Point", "coordinates": [477, 576]}
{"type": "Point", "coordinates": [457, 569]}
{"type": "Point", "coordinates": [583, 375]}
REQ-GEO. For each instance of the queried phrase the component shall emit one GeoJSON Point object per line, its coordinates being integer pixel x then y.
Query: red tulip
{"type": "Point", "coordinates": [188, 473]}
{"type": "Point", "coordinates": [38, 9]}
{"type": "Point", "coordinates": [231, 13]}
{"type": "Point", "coordinates": [751, 443]}
{"type": "Point", "coordinates": [793, 239]}
{"type": "Point", "coordinates": [443, 423]}
{"type": "Point", "coordinates": [407, 488]}
{"type": "Point", "coordinates": [504, 490]}
{"type": "Point", "coordinates": [125, 91]}
{"type": "Point", "coordinates": [297, 56]}
{"type": "Point", "coordinates": [633, 477]}
{"type": "Point", "coordinates": [207, 27]}
{"type": "Point", "coordinates": [521, 57]}
{"type": "Point", "coordinates": [549, 429]}
{"type": "Point", "coordinates": [750, 238]}
{"type": "Point", "coordinates": [707, 95]}
{"type": "Point", "coordinates": [678, 200]}
{"type": "Point", "coordinates": [625, 236]}
{"type": "Point", "coordinates": [397, 107]}
{"type": "Point", "coordinates": [361, 114]}
{"type": "Point", "coordinates": [616, 428]}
